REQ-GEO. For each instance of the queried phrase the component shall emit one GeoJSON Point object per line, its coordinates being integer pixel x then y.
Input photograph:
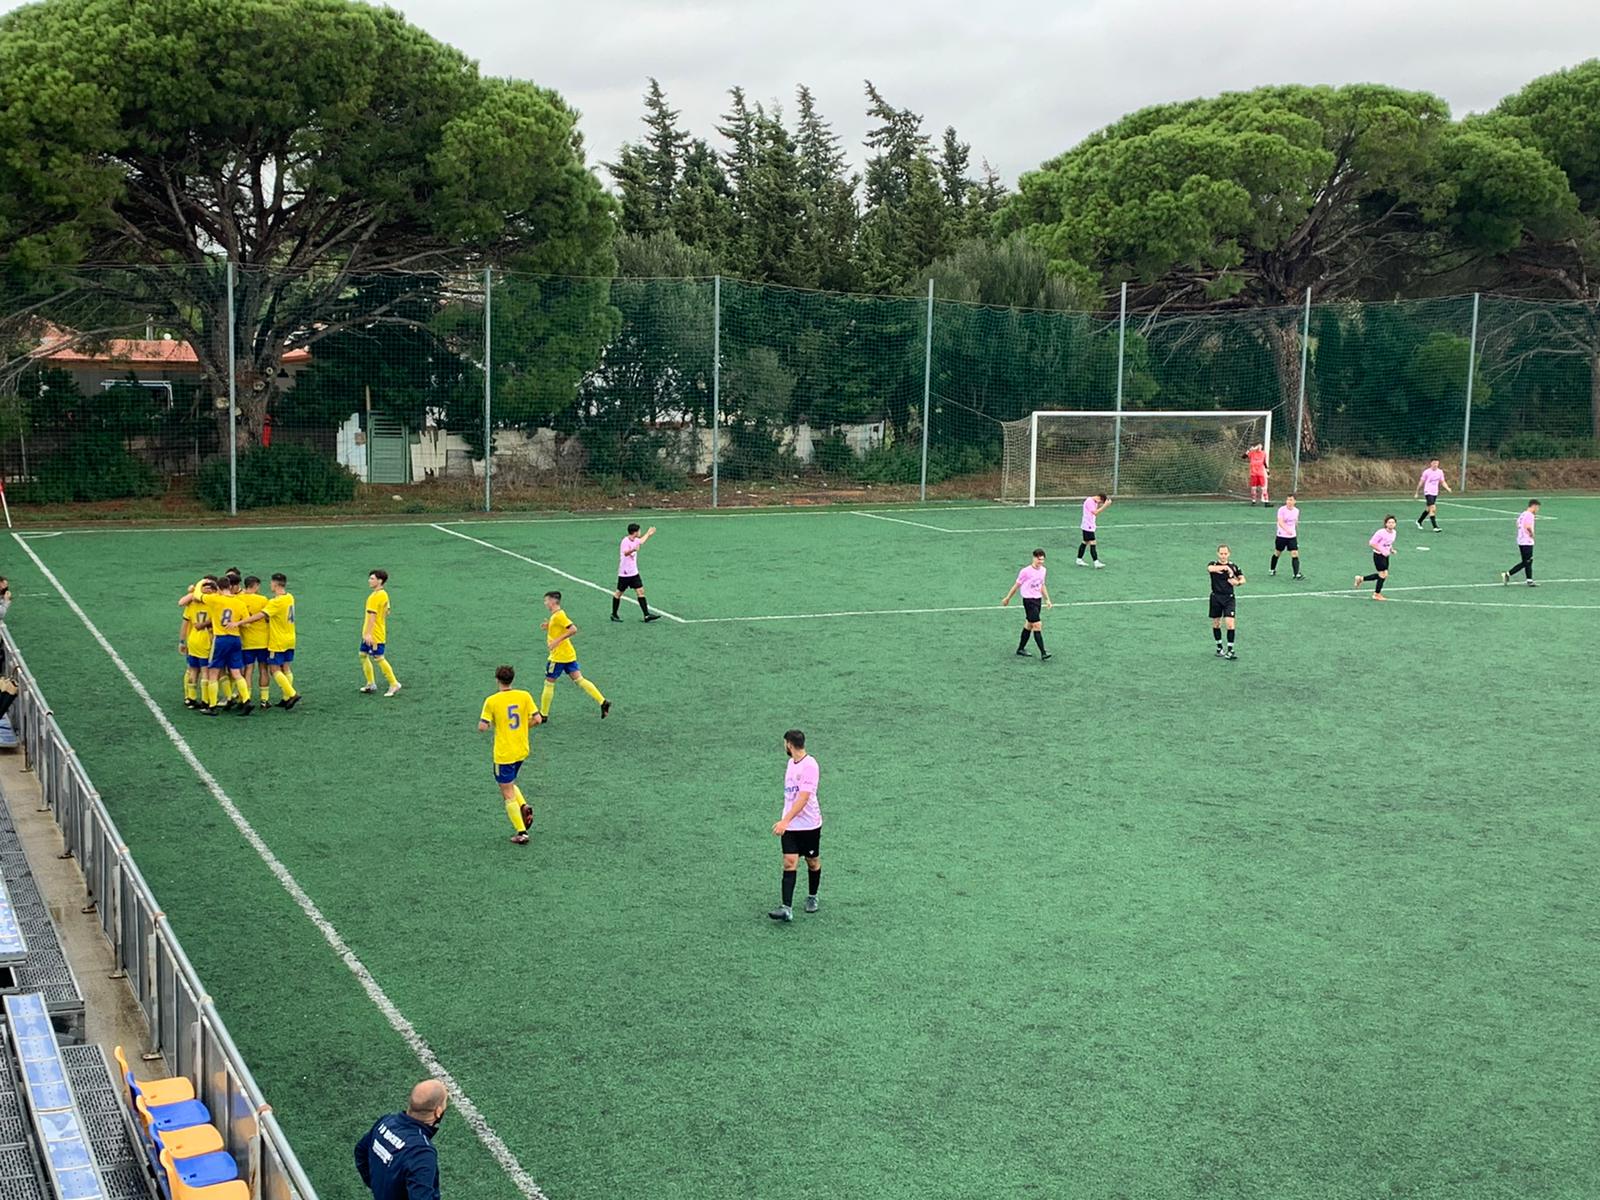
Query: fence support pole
{"type": "Point", "coordinates": [233, 402]}
{"type": "Point", "coordinates": [1116, 441]}
{"type": "Point", "coordinates": [1300, 412]}
{"type": "Point", "coordinates": [1472, 369]}
{"type": "Point", "coordinates": [927, 389]}
{"type": "Point", "coordinates": [488, 388]}
{"type": "Point", "coordinates": [716, 380]}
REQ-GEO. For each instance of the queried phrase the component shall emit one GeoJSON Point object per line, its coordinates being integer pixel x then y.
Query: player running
{"type": "Point", "coordinates": [628, 573]}
{"type": "Point", "coordinates": [800, 826]}
{"type": "Point", "coordinates": [1257, 457]}
{"type": "Point", "coordinates": [375, 634]}
{"type": "Point", "coordinates": [1093, 506]}
{"type": "Point", "coordinates": [1525, 520]}
{"type": "Point", "coordinates": [511, 713]}
{"type": "Point", "coordinates": [1288, 536]}
{"type": "Point", "coordinates": [1225, 576]}
{"type": "Point", "coordinates": [1428, 488]}
{"type": "Point", "coordinates": [1382, 543]}
{"type": "Point", "coordinates": [1030, 582]}
{"type": "Point", "coordinates": [562, 657]}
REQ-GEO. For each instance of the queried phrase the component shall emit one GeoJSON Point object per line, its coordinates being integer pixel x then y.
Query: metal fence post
{"type": "Point", "coordinates": [716, 379]}
{"type": "Point", "coordinates": [1116, 441]}
{"type": "Point", "coordinates": [927, 389]}
{"type": "Point", "coordinates": [1300, 417]}
{"type": "Point", "coordinates": [233, 402]}
{"type": "Point", "coordinates": [488, 388]}
{"type": "Point", "coordinates": [1472, 368]}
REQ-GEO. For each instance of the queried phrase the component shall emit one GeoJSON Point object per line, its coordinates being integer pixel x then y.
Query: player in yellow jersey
{"type": "Point", "coordinates": [194, 642]}
{"type": "Point", "coordinates": [253, 639]}
{"type": "Point", "coordinates": [375, 634]}
{"type": "Point", "coordinates": [511, 713]}
{"type": "Point", "coordinates": [281, 638]}
{"type": "Point", "coordinates": [562, 657]}
{"type": "Point", "coordinates": [227, 651]}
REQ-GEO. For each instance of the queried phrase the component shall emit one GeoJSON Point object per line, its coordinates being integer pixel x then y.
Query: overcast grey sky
{"type": "Point", "coordinates": [1020, 79]}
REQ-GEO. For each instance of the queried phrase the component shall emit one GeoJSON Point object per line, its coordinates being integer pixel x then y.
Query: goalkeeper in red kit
{"type": "Point", "coordinates": [1257, 455]}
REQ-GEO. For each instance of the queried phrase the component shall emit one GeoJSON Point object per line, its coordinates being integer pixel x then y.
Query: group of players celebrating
{"type": "Point", "coordinates": [1226, 575]}
{"type": "Point", "coordinates": [232, 635]}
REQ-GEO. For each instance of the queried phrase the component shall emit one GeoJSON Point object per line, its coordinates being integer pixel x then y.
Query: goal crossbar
{"type": "Point", "coordinates": [1118, 417]}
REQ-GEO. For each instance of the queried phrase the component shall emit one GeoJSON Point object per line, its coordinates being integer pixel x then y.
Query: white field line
{"type": "Point", "coordinates": [972, 608]}
{"type": "Point", "coordinates": [1355, 595]}
{"type": "Point", "coordinates": [1132, 524]}
{"type": "Point", "coordinates": [1510, 512]}
{"type": "Point", "coordinates": [398, 1021]}
{"type": "Point", "coordinates": [547, 567]}
{"type": "Point", "coordinates": [855, 512]}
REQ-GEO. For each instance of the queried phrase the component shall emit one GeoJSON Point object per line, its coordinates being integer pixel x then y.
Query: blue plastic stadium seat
{"type": "Point", "coordinates": [207, 1170]}
{"type": "Point", "coordinates": [180, 1115]}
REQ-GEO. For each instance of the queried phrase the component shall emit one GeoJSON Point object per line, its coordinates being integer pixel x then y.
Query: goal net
{"type": "Point", "coordinates": [1069, 455]}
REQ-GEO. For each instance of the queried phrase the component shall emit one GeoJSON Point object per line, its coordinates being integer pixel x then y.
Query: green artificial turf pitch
{"type": "Point", "coordinates": [1319, 923]}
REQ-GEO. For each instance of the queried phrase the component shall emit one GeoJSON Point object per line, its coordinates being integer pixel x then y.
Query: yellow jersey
{"type": "Point", "coordinates": [254, 635]}
{"type": "Point", "coordinates": [559, 624]}
{"type": "Point", "coordinates": [508, 713]}
{"type": "Point", "coordinates": [222, 609]}
{"type": "Point", "coordinates": [280, 622]}
{"type": "Point", "coordinates": [199, 638]}
{"type": "Point", "coordinates": [378, 606]}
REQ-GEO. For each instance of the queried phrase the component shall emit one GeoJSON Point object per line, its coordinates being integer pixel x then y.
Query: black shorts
{"type": "Point", "coordinates": [807, 843]}
{"type": "Point", "coordinates": [1430, 501]}
{"type": "Point", "coordinates": [1221, 607]}
{"type": "Point", "coordinates": [624, 582]}
{"type": "Point", "coordinates": [1088, 534]}
{"type": "Point", "coordinates": [1030, 608]}
{"type": "Point", "coordinates": [1284, 543]}
{"type": "Point", "coordinates": [1526, 552]}
{"type": "Point", "coordinates": [1380, 562]}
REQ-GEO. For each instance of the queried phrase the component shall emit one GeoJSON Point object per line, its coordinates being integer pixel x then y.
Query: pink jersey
{"type": "Point", "coordinates": [1288, 518]}
{"type": "Point", "coordinates": [1430, 481]}
{"type": "Point", "coordinates": [628, 563]}
{"type": "Point", "coordinates": [1525, 529]}
{"type": "Point", "coordinates": [802, 777]}
{"type": "Point", "coordinates": [1383, 541]}
{"type": "Point", "coordinates": [1030, 582]}
{"type": "Point", "coordinates": [1089, 506]}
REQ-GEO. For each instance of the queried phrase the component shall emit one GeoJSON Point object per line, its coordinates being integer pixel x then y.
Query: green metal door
{"type": "Point", "coordinates": [388, 451]}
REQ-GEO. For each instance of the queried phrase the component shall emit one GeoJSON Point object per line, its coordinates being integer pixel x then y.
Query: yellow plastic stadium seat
{"type": "Point", "coordinates": [155, 1091]}
{"type": "Point", "coordinates": [234, 1189]}
{"type": "Point", "coordinates": [184, 1143]}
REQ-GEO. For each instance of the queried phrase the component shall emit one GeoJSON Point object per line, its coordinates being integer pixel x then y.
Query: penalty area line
{"type": "Point", "coordinates": [397, 1020]}
{"type": "Point", "coordinates": [588, 583]}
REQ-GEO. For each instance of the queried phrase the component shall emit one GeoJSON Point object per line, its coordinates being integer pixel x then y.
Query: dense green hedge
{"type": "Point", "coordinates": [287, 473]}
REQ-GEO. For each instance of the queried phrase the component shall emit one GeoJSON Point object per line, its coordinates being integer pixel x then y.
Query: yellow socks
{"type": "Point", "coordinates": [190, 692]}
{"type": "Point", "coordinates": [209, 692]}
{"type": "Point", "coordinates": [285, 685]}
{"type": "Point", "coordinates": [366, 669]}
{"type": "Point", "coordinates": [514, 811]}
{"type": "Point", "coordinates": [388, 672]}
{"type": "Point", "coordinates": [591, 691]}
{"type": "Point", "coordinates": [546, 696]}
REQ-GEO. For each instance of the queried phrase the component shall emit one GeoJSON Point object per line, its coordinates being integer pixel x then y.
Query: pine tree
{"type": "Point", "coordinates": [826, 256]}
{"type": "Point", "coordinates": [774, 203]}
{"type": "Point", "coordinates": [702, 207]}
{"type": "Point", "coordinates": [954, 157]}
{"type": "Point", "coordinates": [633, 182]}
{"type": "Point", "coordinates": [739, 163]}
{"type": "Point", "coordinates": [662, 152]}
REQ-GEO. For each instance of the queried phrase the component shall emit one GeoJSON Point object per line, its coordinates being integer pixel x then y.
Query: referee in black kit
{"type": "Point", "coordinates": [1225, 576]}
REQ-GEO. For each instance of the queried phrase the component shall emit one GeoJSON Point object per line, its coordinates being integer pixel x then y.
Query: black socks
{"type": "Point", "coordinates": [1038, 640]}
{"type": "Point", "coordinates": [644, 605]}
{"type": "Point", "coordinates": [1023, 644]}
{"type": "Point", "coordinates": [788, 888]}
{"type": "Point", "coordinates": [616, 602]}
{"type": "Point", "coordinates": [815, 878]}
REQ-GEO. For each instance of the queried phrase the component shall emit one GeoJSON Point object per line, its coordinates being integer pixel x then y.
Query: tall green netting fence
{"type": "Point", "coordinates": [145, 391]}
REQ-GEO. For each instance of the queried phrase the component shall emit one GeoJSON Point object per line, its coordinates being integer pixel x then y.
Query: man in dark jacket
{"type": "Point", "coordinates": [396, 1158]}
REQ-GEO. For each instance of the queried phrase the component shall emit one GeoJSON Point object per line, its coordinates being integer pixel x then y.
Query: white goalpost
{"type": "Point", "coordinates": [1068, 454]}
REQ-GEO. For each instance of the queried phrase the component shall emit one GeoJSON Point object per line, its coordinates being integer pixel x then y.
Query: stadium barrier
{"type": "Point", "coordinates": [185, 1027]}
{"type": "Point", "coordinates": [464, 390]}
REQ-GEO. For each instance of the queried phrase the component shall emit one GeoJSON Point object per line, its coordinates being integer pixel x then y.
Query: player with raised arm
{"type": "Point", "coordinates": [1525, 520]}
{"type": "Point", "coordinates": [628, 573]}
{"type": "Point", "coordinates": [1288, 537]}
{"type": "Point", "coordinates": [800, 826]}
{"type": "Point", "coordinates": [1225, 576]}
{"type": "Point", "coordinates": [1257, 457]}
{"type": "Point", "coordinates": [223, 610]}
{"type": "Point", "coordinates": [375, 634]}
{"type": "Point", "coordinates": [1093, 506]}
{"type": "Point", "coordinates": [512, 714]}
{"type": "Point", "coordinates": [194, 636]}
{"type": "Point", "coordinates": [1030, 582]}
{"type": "Point", "coordinates": [561, 657]}
{"type": "Point", "coordinates": [1382, 543]}
{"type": "Point", "coordinates": [1428, 488]}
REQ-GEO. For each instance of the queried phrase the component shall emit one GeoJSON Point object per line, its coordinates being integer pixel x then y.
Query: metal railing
{"type": "Point", "coordinates": [185, 1026]}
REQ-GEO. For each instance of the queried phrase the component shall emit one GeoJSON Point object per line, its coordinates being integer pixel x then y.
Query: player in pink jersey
{"type": "Point", "coordinates": [1525, 520]}
{"type": "Point", "coordinates": [1428, 488]}
{"type": "Point", "coordinates": [1382, 543]}
{"type": "Point", "coordinates": [1288, 536]}
{"type": "Point", "coordinates": [1093, 506]}
{"type": "Point", "coordinates": [628, 573]}
{"type": "Point", "coordinates": [1030, 582]}
{"type": "Point", "coordinates": [800, 826]}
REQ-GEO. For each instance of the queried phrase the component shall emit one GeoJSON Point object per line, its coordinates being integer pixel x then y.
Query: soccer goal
{"type": "Point", "coordinates": [1069, 455]}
